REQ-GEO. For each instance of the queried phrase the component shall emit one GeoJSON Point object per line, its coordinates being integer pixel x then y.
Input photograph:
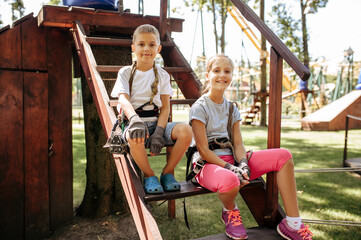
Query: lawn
{"type": "Point", "coordinates": [325, 196]}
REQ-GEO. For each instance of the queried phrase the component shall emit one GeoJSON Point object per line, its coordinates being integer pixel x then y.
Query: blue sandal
{"type": "Point", "coordinates": [152, 185]}
{"type": "Point", "coordinates": [169, 183]}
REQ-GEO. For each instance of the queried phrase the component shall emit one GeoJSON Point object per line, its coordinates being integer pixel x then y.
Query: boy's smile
{"type": "Point", "coordinates": [146, 47]}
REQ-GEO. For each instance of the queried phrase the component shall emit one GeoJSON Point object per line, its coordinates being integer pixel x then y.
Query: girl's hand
{"type": "Point", "coordinates": [239, 172]}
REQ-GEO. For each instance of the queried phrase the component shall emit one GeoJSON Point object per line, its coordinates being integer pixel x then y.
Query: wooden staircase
{"type": "Point", "coordinates": [183, 75]}
{"type": "Point", "coordinates": [260, 197]}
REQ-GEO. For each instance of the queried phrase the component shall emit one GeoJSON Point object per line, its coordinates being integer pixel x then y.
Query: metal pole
{"type": "Point", "coordinates": [345, 148]}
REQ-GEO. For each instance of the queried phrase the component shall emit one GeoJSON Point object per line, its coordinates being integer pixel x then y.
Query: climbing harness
{"type": "Point", "coordinates": [116, 142]}
{"type": "Point", "coordinates": [216, 143]}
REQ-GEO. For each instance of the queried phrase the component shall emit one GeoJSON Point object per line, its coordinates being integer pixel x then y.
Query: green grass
{"type": "Point", "coordinates": [325, 196]}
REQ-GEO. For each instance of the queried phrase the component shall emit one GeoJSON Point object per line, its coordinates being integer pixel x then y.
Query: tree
{"type": "Point", "coordinates": [17, 9]}
{"type": "Point", "coordinates": [294, 31]}
{"type": "Point", "coordinates": [296, 37]}
{"type": "Point", "coordinates": [53, 2]}
{"type": "Point", "coordinates": [103, 193]}
{"type": "Point", "coordinates": [218, 9]}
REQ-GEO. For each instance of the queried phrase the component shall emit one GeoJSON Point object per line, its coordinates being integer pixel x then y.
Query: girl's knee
{"type": "Point", "coordinates": [228, 182]}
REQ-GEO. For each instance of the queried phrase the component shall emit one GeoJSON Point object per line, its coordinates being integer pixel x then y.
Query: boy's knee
{"type": "Point", "coordinates": [184, 132]}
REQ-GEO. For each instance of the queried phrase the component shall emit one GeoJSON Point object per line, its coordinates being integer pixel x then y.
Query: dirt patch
{"type": "Point", "coordinates": [107, 228]}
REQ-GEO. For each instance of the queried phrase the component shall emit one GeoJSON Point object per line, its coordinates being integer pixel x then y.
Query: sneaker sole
{"type": "Point", "coordinates": [280, 233]}
{"type": "Point", "coordinates": [230, 236]}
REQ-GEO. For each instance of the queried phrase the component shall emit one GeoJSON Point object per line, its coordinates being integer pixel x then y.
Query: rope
{"type": "Point", "coordinates": [333, 222]}
{"type": "Point", "coordinates": [328, 170]}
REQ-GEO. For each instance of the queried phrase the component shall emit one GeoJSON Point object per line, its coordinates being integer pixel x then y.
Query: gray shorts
{"type": "Point", "coordinates": [151, 128]}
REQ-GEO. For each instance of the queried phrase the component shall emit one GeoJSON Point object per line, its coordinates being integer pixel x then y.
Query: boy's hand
{"type": "Point", "coordinates": [137, 128]}
{"type": "Point", "coordinates": [157, 141]}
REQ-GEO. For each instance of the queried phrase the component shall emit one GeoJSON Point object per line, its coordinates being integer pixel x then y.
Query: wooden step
{"type": "Point", "coordinates": [115, 68]}
{"type": "Point", "coordinates": [255, 233]}
{"type": "Point", "coordinates": [189, 189]}
{"type": "Point", "coordinates": [121, 42]}
{"type": "Point", "coordinates": [114, 103]}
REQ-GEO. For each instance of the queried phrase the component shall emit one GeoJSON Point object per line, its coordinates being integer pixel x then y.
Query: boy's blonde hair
{"type": "Point", "coordinates": [146, 28]}
{"type": "Point", "coordinates": [209, 65]}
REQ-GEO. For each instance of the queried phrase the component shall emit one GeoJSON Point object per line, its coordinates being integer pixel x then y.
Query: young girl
{"type": "Point", "coordinates": [143, 91]}
{"type": "Point", "coordinates": [208, 118]}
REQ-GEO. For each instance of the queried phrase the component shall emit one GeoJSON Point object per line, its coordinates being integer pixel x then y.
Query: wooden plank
{"type": "Point", "coordinates": [114, 68]}
{"type": "Point", "coordinates": [188, 82]}
{"type": "Point", "coordinates": [274, 132]}
{"type": "Point", "coordinates": [163, 21]}
{"type": "Point", "coordinates": [56, 16]}
{"type": "Point", "coordinates": [10, 47]}
{"type": "Point", "coordinates": [59, 55]}
{"type": "Point", "coordinates": [36, 155]}
{"type": "Point", "coordinates": [96, 84]}
{"type": "Point", "coordinates": [254, 233]}
{"type": "Point", "coordinates": [11, 155]}
{"type": "Point", "coordinates": [33, 45]}
{"type": "Point", "coordinates": [188, 189]}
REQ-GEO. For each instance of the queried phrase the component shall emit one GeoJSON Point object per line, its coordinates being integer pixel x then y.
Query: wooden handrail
{"type": "Point", "coordinates": [278, 45]}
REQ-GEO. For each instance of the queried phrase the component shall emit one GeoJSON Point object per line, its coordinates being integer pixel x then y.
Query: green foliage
{"type": "Point", "coordinates": [53, 2]}
{"type": "Point", "coordinates": [294, 31]}
{"type": "Point", "coordinates": [287, 28]}
{"type": "Point", "coordinates": [17, 9]}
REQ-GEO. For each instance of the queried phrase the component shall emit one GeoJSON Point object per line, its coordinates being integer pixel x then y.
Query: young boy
{"type": "Point", "coordinates": [143, 92]}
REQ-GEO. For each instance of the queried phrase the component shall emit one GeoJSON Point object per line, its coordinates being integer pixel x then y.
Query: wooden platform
{"type": "Point", "coordinates": [353, 162]}
{"type": "Point", "coordinates": [332, 117]}
{"type": "Point", "coordinates": [189, 189]}
{"type": "Point", "coordinates": [255, 233]}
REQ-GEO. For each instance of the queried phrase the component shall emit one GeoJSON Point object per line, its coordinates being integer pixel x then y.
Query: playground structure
{"type": "Point", "coordinates": [343, 101]}
{"type": "Point", "coordinates": [35, 75]}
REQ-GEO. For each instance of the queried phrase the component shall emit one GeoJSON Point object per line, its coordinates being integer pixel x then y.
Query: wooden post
{"type": "Point", "coordinates": [274, 132]}
{"type": "Point", "coordinates": [163, 19]}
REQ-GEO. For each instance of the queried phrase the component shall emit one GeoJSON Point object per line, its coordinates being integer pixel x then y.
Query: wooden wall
{"type": "Point", "coordinates": [36, 191]}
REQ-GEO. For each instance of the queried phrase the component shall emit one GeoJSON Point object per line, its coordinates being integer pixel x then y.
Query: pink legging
{"type": "Point", "coordinates": [219, 179]}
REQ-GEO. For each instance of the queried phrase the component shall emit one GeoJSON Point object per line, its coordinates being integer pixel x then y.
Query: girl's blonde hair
{"type": "Point", "coordinates": [146, 28]}
{"type": "Point", "coordinates": [209, 65]}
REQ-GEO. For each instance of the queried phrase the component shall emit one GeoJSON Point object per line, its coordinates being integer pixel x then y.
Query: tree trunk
{"type": "Point", "coordinates": [215, 24]}
{"type": "Point", "coordinates": [104, 194]}
{"type": "Point", "coordinates": [263, 120]}
{"type": "Point", "coordinates": [224, 17]}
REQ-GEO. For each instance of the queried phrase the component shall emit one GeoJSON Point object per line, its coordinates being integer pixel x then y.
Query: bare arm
{"type": "Point", "coordinates": [127, 107]}
{"type": "Point", "coordinates": [240, 150]}
{"type": "Point", "coordinates": [200, 136]}
{"type": "Point", "coordinates": [164, 111]}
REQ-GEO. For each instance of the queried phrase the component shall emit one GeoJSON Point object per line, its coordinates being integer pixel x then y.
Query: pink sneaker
{"type": "Point", "coordinates": [234, 226]}
{"type": "Point", "coordinates": [288, 233]}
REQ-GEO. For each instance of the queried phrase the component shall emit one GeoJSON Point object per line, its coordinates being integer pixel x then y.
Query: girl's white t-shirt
{"type": "Point", "coordinates": [141, 87]}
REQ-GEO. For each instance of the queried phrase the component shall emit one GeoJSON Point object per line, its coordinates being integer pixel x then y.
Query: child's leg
{"type": "Point", "coordinates": [220, 180]}
{"type": "Point", "coordinates": [287, 186]}
{"type": "Point", "coordinates": [181, 134]}
{"type": "Point", "coordinates": [278, 160]}
{"type": "Point", "coordinates": [138, 152]}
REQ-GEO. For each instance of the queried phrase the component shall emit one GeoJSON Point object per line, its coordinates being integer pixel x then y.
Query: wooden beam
{"type": "Point", "coordinates": [274, 132]}
{"type": "Point", "coordinates": [62, 16]}
{"type": "Point", "coordinates": [163, 19]}
{"type": "Point", "coordinates": [271, 37]}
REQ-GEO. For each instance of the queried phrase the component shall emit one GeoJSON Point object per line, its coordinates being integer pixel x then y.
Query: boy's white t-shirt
{"type": "Point", "coordinates": [141, 87]}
